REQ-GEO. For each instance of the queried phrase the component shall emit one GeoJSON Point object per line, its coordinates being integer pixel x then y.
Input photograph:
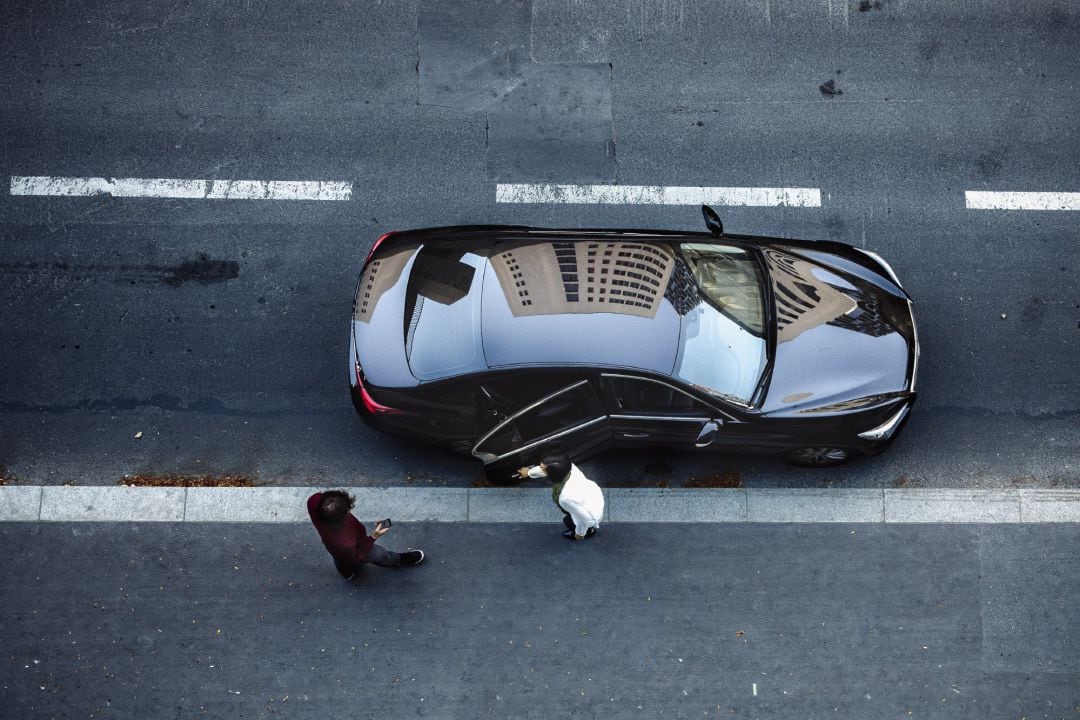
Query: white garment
{"type": "Point", "coordinates": [580, 497]}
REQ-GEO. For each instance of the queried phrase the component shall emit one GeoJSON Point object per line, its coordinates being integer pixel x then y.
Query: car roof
{"type": "Point", "coordinates": [504, 298]}
{"type": "Point", "coordinates": [547, 303]}
{"type": "Point", "coordinates": [536, 302]}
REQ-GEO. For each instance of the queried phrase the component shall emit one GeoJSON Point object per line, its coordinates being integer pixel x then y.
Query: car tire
{"type": "Point", "coordinates": [822, 456]}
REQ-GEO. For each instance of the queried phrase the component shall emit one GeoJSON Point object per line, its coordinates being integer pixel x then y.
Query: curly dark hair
{"type": "Point", "coordinates": [557, 466]}
{"type": "Point", "coordinates": [334, 506]}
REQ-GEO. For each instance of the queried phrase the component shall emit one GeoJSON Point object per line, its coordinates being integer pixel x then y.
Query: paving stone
{"type": "Point", "coordinates": [1050, 505]}
{"type": "Point", "coordinates": [676, 505]}
{"type": "Point", "coordinates": [512, 505]}
{"type": "Point", "coordinates": [224, 504]}
{"type": "Point", "coordinates": [934, 506]}
{"type": "Point", "coordinates": [814, 505]}
{"type": "Point", "coordinates": [412, 504]}
{"type": "Point", "coordinates": [107, 503]}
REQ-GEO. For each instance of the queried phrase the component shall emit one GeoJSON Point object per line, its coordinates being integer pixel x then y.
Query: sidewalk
{"type": "Point", "coordinates": [513, 505]}
{"type": "Point", "coordinates": [509, 620]}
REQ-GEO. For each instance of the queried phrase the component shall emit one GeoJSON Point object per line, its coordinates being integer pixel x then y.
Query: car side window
{"type": "Point", "coordinates": [565, 410]}
{"type": "Point", "coordinates": [640, 396]}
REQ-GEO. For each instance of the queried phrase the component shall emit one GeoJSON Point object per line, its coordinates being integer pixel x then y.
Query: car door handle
{"type": "Point", "coordinates": [634, 435]}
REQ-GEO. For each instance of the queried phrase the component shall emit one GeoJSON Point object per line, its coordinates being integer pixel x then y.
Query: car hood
{"type": "Point", "coordinates": [836, 335]}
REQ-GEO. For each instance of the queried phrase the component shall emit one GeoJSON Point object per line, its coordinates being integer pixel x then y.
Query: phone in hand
{"type": "Point", "coordinates": [385, 523]}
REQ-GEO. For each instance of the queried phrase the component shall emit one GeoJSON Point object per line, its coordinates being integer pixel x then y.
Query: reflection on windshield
{"type": "Point", "coordinates": [730, 280]}
{"type": "Point", "coordinates": [720, 356]}
{"type": "Point", "coordinates": [723, 348]}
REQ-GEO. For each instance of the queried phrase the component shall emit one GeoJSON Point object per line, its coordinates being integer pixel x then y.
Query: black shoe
{"type": "Point", "coordinates": [590, 532]}
{"type": "Point", "coordinates": [413, 557]}
{"type": "Point", "coordinates": [569, 535]}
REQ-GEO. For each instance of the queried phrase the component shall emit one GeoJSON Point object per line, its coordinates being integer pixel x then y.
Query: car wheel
{"type": "Point", "coordinates": [819, 456]}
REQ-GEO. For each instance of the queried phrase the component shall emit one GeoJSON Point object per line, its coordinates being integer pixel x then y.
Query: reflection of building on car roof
{"type": "Point", "coordinates": [568, 277]}
{"type": "Point", "coordinates": [718, 330]}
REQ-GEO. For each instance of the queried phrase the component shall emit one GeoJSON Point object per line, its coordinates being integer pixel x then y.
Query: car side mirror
{"type": "Point", "coordinates": [708, 432]}
{"type": "Point", "coordinates": [712, 221]}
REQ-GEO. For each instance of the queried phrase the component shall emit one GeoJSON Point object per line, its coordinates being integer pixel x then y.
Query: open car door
{"type": "Point", "coordinates": [570, 420]}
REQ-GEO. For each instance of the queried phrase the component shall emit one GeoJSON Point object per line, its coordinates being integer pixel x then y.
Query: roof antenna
{"type": "Point", "coordinates": [712, 221]}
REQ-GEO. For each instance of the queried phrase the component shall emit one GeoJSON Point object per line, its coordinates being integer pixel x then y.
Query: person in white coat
{"type": "Point", "coordinates": [580, 499]}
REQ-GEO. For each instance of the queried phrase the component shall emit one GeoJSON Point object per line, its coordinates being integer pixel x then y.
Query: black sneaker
{"type": "Point", "coordinates": [413, 557]}
{"type": "Point", "coordinates": [568, 534]}
{"type": "Point", "coordinates": [590, 532]}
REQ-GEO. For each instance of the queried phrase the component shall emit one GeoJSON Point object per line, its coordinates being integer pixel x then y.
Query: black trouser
{"type": "Point", "coordinates": [572, 527]}
{"type": "Point", "coordinates": [376, 556]}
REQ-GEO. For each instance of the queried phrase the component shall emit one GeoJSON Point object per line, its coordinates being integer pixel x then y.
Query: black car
{"type": "Point", "coordinates": [504, 341]}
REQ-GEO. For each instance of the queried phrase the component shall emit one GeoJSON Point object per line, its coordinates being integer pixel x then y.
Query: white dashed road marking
{"type": "Point", "coordinates": [983, 200]}
{"type": "Point", "coordinates": [189, 189]}
{"type": "Point", "coordinates": [656, 195]}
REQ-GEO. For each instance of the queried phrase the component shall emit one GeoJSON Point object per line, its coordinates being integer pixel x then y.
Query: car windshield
{"type": "Point", "coordinates": [723, 348]}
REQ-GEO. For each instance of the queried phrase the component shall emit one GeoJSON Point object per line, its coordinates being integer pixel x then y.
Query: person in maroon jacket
{"type": "Point", "coordinates": [346, 538]}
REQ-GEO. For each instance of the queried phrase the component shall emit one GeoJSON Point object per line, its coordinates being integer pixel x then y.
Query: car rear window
{"type": "Point", "coordinates": [442, 314]}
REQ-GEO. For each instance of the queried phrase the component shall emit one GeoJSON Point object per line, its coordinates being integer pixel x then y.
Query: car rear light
{"type": "Point", "coordinates": [376, 244]}
{"type": "Point", "coordinates": [373, 407]}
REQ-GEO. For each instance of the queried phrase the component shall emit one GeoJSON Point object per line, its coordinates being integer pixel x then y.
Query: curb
{"type": "Point", "coordinates": [511, 505]}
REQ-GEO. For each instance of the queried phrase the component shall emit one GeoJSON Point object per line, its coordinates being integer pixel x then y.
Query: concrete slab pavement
{"type": "Point", "coordinates": [508, 620]}
{"type": "Point", "coordinates": [516, 505]}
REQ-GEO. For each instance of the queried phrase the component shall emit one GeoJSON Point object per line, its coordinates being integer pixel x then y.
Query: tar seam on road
{"type": "Point", "coordinates": [109, 503]}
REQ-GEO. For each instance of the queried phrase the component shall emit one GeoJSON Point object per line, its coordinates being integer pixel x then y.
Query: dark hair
{"type": "Point", "coordinates": [334, 506]}
{"type": "Point", "coordinates": [557, 466]}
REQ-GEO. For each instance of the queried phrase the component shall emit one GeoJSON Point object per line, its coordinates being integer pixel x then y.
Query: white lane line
{"type": "Point", "coordinates": [657, 195]}
{"type": "Point", "coordinates": [984, 200]}
{"type": "Point", "coordinates": [189, 189]}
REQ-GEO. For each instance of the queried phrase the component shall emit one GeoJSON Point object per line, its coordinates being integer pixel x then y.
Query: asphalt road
{"type": "Point", "coordinates": [217, 328]}
{"type": "Point", "coordinates": [154, 620]}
